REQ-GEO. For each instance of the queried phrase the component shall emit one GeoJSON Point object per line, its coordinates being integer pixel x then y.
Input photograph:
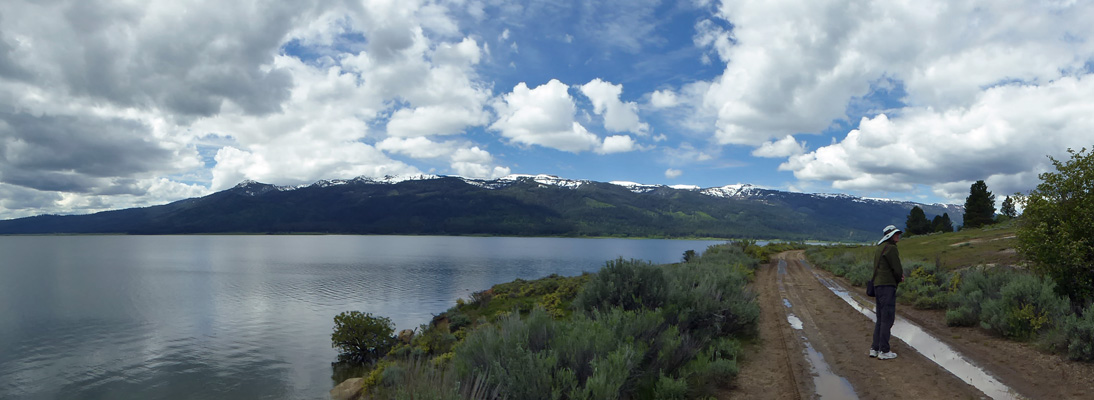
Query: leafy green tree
{"type": "Point", "coordinates": [1056, 232]}
{"type": "Point", "coordinates": [979, 206]}
{"type": "Point", "coordinates": [362, 338]}
{"type": "Point", "coordinates": [942, 223]}
{"type": "Point", "coordinates": [1008, 208]}
{"type": "Point", "coordinates": [917, 222]}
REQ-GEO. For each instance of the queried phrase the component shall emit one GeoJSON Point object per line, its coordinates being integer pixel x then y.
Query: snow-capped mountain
{"type": "Point", "coordinates": [522, 205]}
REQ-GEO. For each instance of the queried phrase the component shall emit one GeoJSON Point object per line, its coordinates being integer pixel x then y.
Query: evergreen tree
{"type": "Point", "coordinates": [979, 206]}
{"type": "Point", "coordinates": [942, 223]}
{"type": "Point", "coordinates": [1008, 208]}
{"type": "Point", "coordinates": [917, 222]}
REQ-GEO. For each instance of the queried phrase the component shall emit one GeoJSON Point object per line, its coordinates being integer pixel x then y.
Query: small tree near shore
{"type": "Point", "coordinates": [362, 338]}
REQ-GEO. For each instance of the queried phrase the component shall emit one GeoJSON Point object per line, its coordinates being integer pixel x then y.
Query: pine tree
{"type": "Point", "coordinates": [942, 223]}
{"type": "Point", "coordinates": [979, 206]}
{"type": "Point", "coordinates": [1008, 208]}
{"type": "Point", "coordinates": [917, 222]}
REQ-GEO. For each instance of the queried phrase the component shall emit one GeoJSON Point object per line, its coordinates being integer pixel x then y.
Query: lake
{"type": "Point", "coordinates": [244, 317]}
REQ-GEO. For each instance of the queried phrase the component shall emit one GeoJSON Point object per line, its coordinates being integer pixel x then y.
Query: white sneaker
{"type": "Point", "coordinates": [873, 353]}
{"type": "Point", "coordinates": [886, 356]}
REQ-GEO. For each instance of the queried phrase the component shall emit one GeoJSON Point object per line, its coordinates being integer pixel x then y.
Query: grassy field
{"type": "Point", "coordinates": [992, 245]}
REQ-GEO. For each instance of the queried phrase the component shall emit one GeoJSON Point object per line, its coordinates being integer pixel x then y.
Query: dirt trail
{"type": "Point", "coordinates": [813, 344]}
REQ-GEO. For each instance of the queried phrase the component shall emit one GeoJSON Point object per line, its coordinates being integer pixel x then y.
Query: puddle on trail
{"type": "Point", "coordinates": [829, 385]}
{"type": "Point", "coordinates": [941, 353]}
{"type": "Point", "coordinates": [826, 383]}
{"type": "Point", "coordinates": [795, 322]}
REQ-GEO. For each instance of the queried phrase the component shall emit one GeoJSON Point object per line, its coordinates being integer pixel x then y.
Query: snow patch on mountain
{"type": "Point", "coordinates": [738, 190]}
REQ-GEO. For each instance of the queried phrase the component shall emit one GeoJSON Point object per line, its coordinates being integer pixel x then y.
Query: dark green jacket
{"type": "Point", "coordinates": [887, 264]}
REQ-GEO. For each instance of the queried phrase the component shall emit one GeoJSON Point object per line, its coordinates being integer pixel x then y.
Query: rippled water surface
{"type": "Point", "coordinates": [245, 317]}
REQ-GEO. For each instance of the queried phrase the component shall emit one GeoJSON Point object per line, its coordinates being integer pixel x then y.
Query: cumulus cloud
{"type": "Point", "coordinates": [617, 144]}
{"type": "Point", "coordinates": [422, 85]}
{"type": "Point", "coordinates": [1003, 137]}
{"type": "Point", "coordinates": [112, 105]}
{"type": "Point", "coordinates": [984, 97]}
{"type": "Point", "coordinates": [65, 153]}
{"type": "Point", "coordinates": [663, 99]}
{"type": "Point", "coordinates": [619, 116]}
{"type": "Point", "coordinates": [673, 173]}
{"type": "Point", "coordinates": [417, 147]}
{"type": "Point", "coordinates": [543, 116]}
{"type": "Point", "coordinates": [793, 68]}
{"type": "Point", "coordinates": [476, 163]}
{"type": "Point", "coordinates": [131, 54]}
{"type": "Point", "coordinates": [445, 100]}
{"type": "Point", "coordinates": [784, 147]}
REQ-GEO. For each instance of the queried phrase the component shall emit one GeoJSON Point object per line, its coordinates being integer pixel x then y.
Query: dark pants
{"type": "Point", "coordinates": [886, 315]}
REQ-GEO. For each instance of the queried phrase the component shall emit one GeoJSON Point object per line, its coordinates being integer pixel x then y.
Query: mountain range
{"type": "Point", "coordinates": [516, 205]}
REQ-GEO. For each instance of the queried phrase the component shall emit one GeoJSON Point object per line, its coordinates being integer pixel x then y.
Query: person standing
{"type": "Point", "coordinates": [888, 273]}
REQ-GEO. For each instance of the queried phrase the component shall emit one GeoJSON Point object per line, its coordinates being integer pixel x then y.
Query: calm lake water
{"type": "Point", "coordinates": [241, 317]}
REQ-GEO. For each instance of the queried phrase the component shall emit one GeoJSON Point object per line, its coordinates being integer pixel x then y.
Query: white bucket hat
{"type": "Point", "coordinates": [889, 231]}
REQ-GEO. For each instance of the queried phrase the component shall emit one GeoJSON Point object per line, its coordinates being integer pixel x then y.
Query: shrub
{"type": "Point", "coordinates": [926, 286]}
{"type": "Point", "coordinates": [539, 358]}
{"type": "Point", "coordinates": [1078, 331]}
{"type": "Point", "coordinates": [711, 300]}
{"type": "Point", "coordinates": [1027, 305]}
{"type": "Point", "coordinates": [629, 284]}
{"type": "Point", "coordinates": [858, 273]}
{"type": "Point", "coordinates": [361, 337]}
{"type": "Point", "coordinates": [973, 287]}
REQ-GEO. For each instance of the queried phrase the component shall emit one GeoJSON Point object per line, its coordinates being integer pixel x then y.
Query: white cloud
{"type": "Point", "coordinates": [426, 86]}
{"type": "Point", "coordinates": [686, 108]}
{"type": "Point", "coordinates": [416, 147]}
{"type": "Point", "coordinates": [1002, 137]}
{"type": "Point", "coordinates": [543, 116]}
{"type": "Point", "coordinates": [617, 144]}
{"type": "Point", "coordinates": [784, 147]}
{"type": "Point", "coordinates": [663, 99]}
{"type": "Point", "coordinates": [476, 163]}
{"type": "Point", "coordinates": [792, 67]}
{"type": "Point", "coordinates": [618, 116]}
{"type": "Point", "coordinates": [673, 173]}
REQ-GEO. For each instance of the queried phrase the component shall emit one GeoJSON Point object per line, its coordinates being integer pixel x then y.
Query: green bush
{"type": "Point", "coordinates": [361, 337]}
{"type": "Point", "coordinates": [538, 357]}
{"type": "Point", "coordinates": [629, 284]}
{"type": "Point", "coordinates": [1027, 305]}
{"type": "Point", "coordinates": [712, 300]}
{"type": "Point", "coordinates": [1078, 331]}
{"type": "Point", "coordinates": [858, 273]}
{"type": "Point", "coordinates": [973, 287]}
{"type": "Point", "coordinates": [925, 286]}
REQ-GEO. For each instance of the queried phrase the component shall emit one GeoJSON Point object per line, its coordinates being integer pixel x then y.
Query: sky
{"type": "Point", "coordinates": [117, 104]}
